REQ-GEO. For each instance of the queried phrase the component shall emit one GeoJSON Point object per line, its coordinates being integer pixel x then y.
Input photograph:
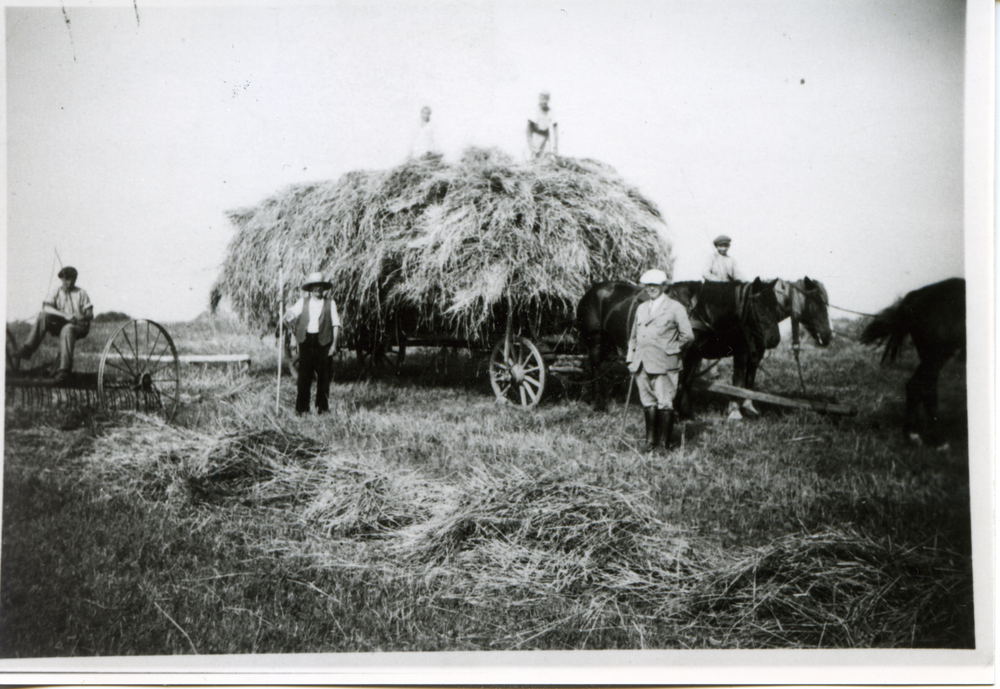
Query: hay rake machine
{"type": "Point", "coordinates": [138, 371]}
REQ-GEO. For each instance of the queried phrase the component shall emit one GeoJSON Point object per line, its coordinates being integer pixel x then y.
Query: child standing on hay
{"type": "Point", "coordinates": [542, 130]}
{"type": "Point", "coordinates": [660, 333]}
{"type": "Point", "coordinates": [422, 141]}
{"type": "Point", "coordinates": [317, 329]}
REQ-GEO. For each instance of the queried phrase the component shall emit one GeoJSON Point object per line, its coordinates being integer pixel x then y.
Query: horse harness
{"type": "Point", "coordinates": [746, 303]}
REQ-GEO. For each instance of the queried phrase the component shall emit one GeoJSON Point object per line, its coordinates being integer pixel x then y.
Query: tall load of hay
{"type": "Point", "coordinates": [446, 244]}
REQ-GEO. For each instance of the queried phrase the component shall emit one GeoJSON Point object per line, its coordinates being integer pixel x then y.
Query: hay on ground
{"type": "Point", "coordinates": [445, 244]}
{"type": "Point", "coordinates": [558, 547]}
{"type": "Point", "coordinates": [359, 498]}
{"type": "Point", "coordinates": [153, 461]}
{"type": "Point", "coordinates": [836, 589]}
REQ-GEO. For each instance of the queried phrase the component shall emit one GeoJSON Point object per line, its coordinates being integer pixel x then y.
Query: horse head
{"type": "Point", "coordinates": [764, 307]}
{"type": "Point", "coordinates": [811, 310]}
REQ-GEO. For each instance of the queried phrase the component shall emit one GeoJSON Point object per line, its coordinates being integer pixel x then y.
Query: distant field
{"type": "Point", "coordinates": [420, 515]}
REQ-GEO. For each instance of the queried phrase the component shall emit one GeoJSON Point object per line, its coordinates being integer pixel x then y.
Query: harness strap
{"type": "Point", "coordinates": [832, 306]}
{"type": "Point", "coordinates": [743, 302]}
{"type": "Point", "coordinates": [857, 313]}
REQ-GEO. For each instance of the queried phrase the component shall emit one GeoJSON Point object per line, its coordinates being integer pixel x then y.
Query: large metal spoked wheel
{"type": "Point", "coordinates": [140, 370]}
{"type": "Point", "coordinates": [519, 378]}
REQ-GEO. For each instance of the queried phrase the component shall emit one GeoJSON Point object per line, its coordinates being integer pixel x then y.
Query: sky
{"type": "Point", "coordinates": [826, 138]}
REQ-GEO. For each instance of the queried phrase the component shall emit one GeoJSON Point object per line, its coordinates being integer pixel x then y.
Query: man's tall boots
{"type": "Point", "coordinates": [649, 414]}
{"type": "Point", "coordinates": [665, 426]}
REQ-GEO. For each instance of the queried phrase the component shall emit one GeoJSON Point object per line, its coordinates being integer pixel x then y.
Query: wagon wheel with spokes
{"type": "Point", "coordinates": [140, 370]}
{"type": "Point", "coordinates": [519, 377]}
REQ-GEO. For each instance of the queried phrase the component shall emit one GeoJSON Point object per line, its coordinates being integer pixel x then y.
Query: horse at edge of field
{"type": "Point", "coordinates": [934, 318]}
{"type": "Point", "coordinates": [806, 302]}
{"type": "Point", "coordinates": [737, 319]}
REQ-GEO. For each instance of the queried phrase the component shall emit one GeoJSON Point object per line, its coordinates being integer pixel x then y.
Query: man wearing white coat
{"type": "Point", "coordinates": [660, 333]}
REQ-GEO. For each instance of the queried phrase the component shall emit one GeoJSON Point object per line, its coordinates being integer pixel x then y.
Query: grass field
{"type": "Point", "coordinates": [420, 515]}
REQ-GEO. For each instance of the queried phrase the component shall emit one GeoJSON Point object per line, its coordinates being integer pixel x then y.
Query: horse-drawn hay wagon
{"type": "Point", "coordinates": [486, 253]}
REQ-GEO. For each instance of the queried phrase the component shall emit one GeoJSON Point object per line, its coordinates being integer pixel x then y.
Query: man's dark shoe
{"type": "Point", "coordinates": [649, 415]}
{"type": "Point", "coordinates": [665, 418]}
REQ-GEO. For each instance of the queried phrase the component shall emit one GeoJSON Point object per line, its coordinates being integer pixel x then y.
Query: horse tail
{"type": "Point", "coordinates": [890, 326]}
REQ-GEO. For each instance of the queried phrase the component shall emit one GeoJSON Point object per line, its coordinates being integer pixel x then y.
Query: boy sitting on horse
{"type": "Point", "coordinates": [722, 267]}
{"type": "Point", "coordinates": [660, 333]}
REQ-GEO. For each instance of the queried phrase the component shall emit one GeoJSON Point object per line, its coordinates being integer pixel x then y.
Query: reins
{"type": "Point", "coordinates": [828, 304]}
{"type": "Point", "coordinates": [857, 313]}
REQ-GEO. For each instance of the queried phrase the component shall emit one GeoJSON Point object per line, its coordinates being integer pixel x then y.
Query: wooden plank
{"type": "Point", "coordinates": [742, 393]}
{"type": "Point", "coordinates": [204, 358]}
{"type": "Point", "coordinates": [566, 369]}
{"type": "Point", "coordinates": [214, 358]}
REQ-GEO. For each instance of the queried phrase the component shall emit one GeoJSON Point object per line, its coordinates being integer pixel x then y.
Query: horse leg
{"type": "Point", "coordinates": [921, 391]}
{"type": "Point", "coordinates": [750, 364]}
{"type": "Point", "coordinates": [597, 396]}
{"type": "Point", "coordinates": [739, 375]}
{"type": "Point", "coordinates": [682, 398]}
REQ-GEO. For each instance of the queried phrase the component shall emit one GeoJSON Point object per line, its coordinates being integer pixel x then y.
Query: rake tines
{"type": "Point", "coordinates": [40, 397]}
{"type": "Point", "coordinates": [127, 398]}
{"type": "Point", "coordinates": [110, 398]}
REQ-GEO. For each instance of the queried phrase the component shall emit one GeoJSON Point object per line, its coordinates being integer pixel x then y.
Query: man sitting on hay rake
{"type": "Point", "coordinates": [317, 329]}
{"type": "Point", "coordinates": [660, 332]}
{"type": "Point", "coordinates": [67, 315]}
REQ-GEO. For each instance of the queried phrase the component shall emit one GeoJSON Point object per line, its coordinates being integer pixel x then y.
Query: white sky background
{"type": "Point", "coordinates": [127, 140]}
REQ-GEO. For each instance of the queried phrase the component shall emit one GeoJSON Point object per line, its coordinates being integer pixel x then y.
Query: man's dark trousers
{"type": "Point", "coordinates": [312, 361]}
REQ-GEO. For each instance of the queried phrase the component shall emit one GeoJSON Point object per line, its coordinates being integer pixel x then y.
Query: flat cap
{"type": "Point", "coordinates": [653, 277]}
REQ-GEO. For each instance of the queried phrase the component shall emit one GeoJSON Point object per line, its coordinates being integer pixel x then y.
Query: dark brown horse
{"type": "Point", "coordinates": [934, 317]}
{"type": "Point", "coordinates": [729, 319]}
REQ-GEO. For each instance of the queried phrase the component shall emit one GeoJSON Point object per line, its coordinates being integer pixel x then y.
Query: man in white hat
{"type": "Point", "coordinates": [660, 332]}
{"type": "Point", "coordinates": [722, 267]}
{"type": "Point", "coordinates": [317, 329]}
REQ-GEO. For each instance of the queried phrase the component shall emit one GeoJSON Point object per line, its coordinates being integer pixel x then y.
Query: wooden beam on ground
{"type": "Point", "coordinates": [243, 359]}
{"type": "Point", "coordinates": [214, 359]}
{"type": "Point", "coordinates": [742, 393]}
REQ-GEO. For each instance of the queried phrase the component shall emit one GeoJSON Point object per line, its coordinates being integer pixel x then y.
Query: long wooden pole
{"type": "Point", "coordinates": [742, 393]}
{"type": "Point", "coordinates": [281, 332]}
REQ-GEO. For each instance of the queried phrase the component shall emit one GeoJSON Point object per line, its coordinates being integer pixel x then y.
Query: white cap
{"type": "Point", "coordinates": [653, 277]}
